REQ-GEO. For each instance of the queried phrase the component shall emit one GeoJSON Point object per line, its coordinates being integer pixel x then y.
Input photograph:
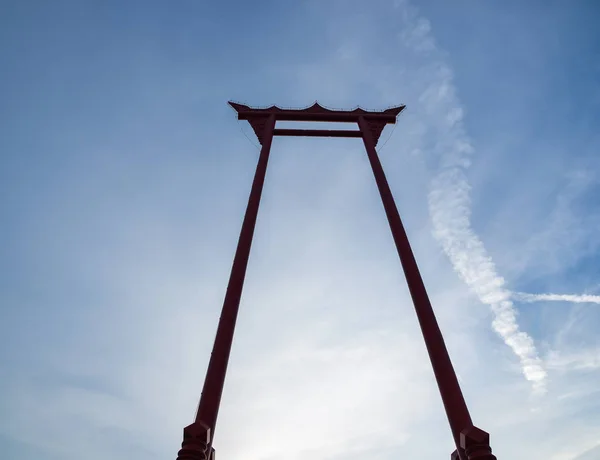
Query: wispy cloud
{"type": "Point", "coordinates": [450, 205]}
{"type": "Point", "coordinates": [573, 298]}
{"type": "Point", "coordinates": [583, 359]}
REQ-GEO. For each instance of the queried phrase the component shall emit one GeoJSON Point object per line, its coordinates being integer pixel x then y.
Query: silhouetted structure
{"type": "Point", "coordinates": [471, 442]}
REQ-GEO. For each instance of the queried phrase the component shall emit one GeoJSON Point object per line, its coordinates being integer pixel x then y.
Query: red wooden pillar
{"type": "Point", "coordinates": [197, 437]}
{"type": "Point", "coordinates": [452, 397]}
{"type": "Point", "coordinates": [471, 442]}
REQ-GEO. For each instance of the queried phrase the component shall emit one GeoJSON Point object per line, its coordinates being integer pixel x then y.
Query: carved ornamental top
{"type": "Point", "coordinates": [316, 112]}
{"type": "Point", "coordinates": [257, 116]}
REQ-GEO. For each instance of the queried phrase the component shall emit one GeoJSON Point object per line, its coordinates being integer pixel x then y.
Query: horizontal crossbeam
{"type": "Point", "coordinates": [317, 132]}
{"type": "Point", "coordinates": [327, 117]}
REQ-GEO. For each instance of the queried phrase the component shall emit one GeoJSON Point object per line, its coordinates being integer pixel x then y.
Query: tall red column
{"type": "Point", "coordinates": [197, 437]}
{"type": "Point", "coordinates": [471, 442]}
{"type": "Point", "coordinates": [452, 397]}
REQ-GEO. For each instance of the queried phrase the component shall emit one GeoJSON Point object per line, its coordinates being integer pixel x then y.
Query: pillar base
{"type": "Point", "coordinates": [476, 444]}
{"type": "Point", "coordinates": [196, 438]}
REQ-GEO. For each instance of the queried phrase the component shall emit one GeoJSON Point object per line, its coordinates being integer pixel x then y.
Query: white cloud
{"type": "Point", "coordinates": [573, 298]}
{"type": "Point", "coordinates": [449, 205]}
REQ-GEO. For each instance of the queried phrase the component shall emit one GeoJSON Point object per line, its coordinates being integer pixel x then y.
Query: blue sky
{"type": "Point", "coordinates": [124, 176]}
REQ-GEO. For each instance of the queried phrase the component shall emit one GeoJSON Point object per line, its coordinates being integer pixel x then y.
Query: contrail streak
{"type": "Point", "coordinates": [574, 298]}
{"type": "Point", "coordinates": [450, 205]}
